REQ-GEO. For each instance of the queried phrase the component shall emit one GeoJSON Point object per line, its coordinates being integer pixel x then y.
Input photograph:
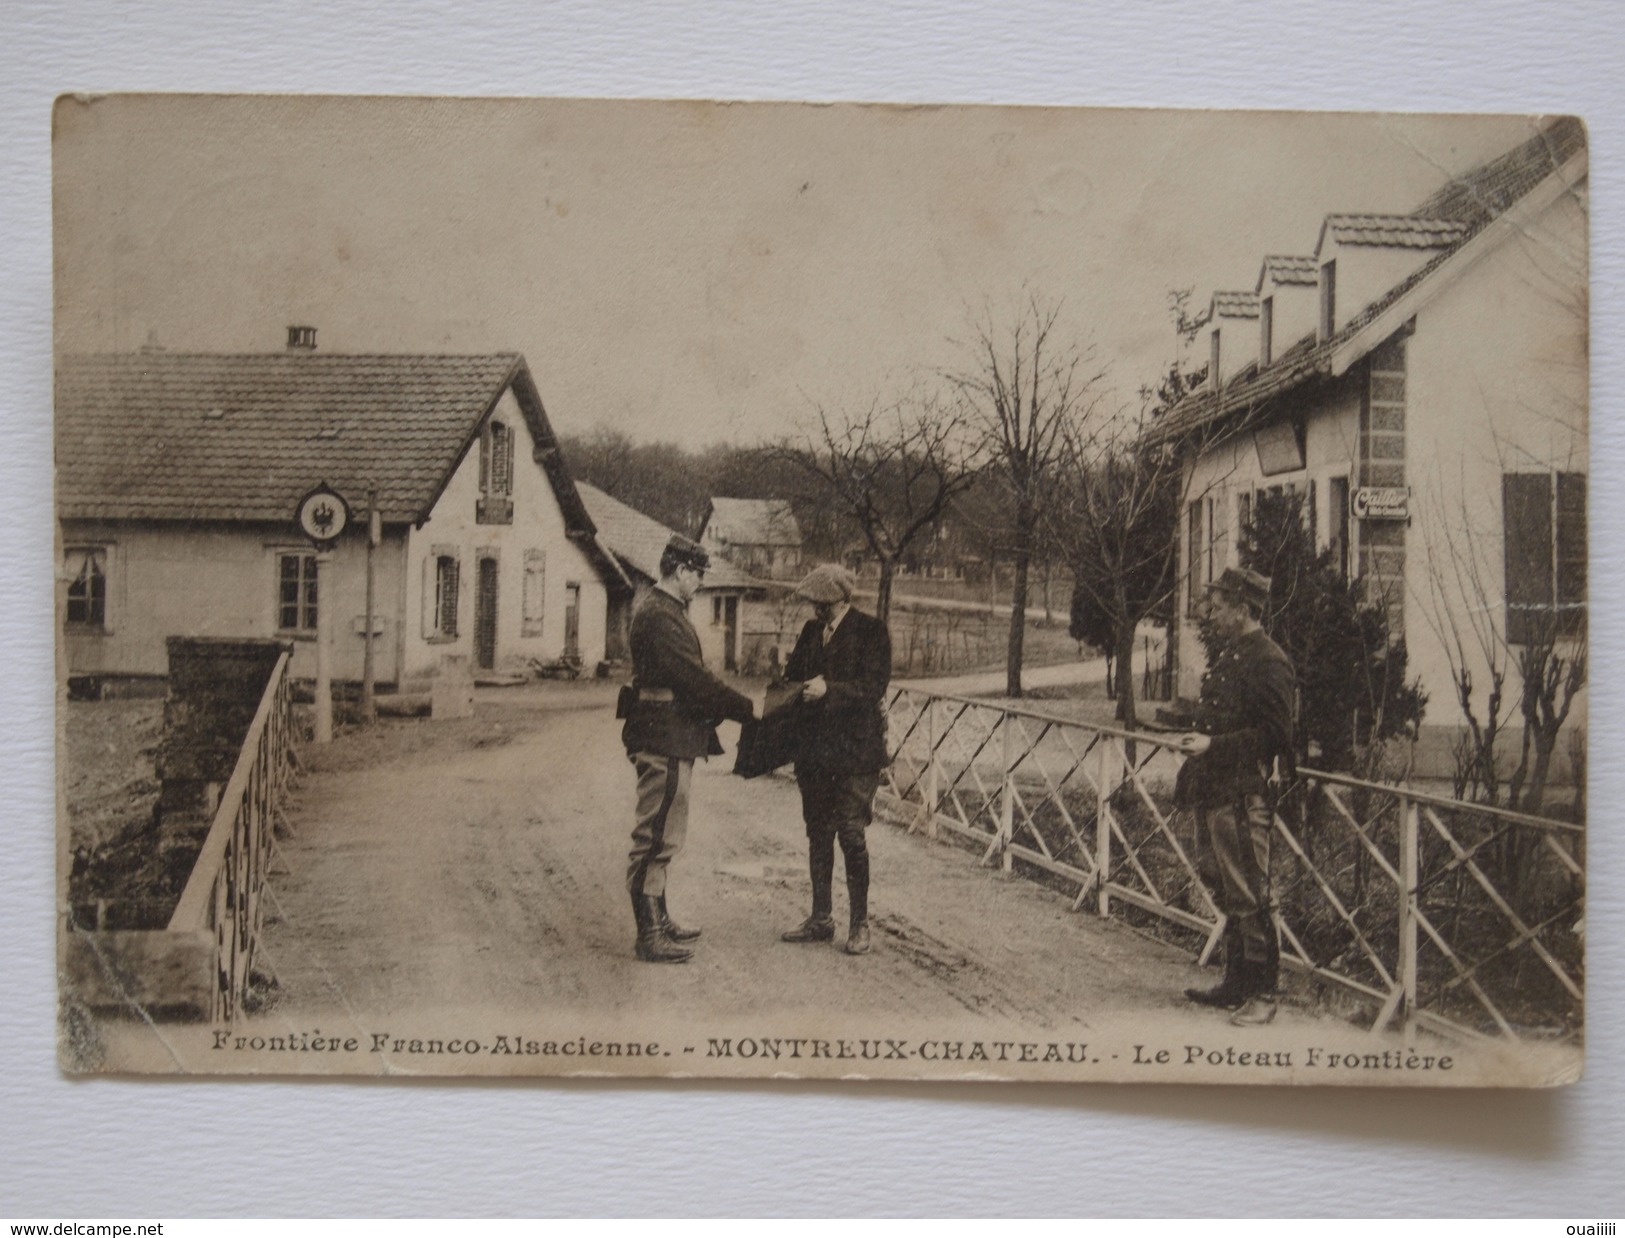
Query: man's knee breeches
{"type": "Point", "coordinates": [838, 806]}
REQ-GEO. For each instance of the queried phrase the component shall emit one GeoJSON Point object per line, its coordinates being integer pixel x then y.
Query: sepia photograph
{"type": "Point", "coordinates": [775, 591]}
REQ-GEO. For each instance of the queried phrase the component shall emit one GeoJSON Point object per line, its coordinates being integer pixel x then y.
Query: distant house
{"type": "Point", "coordinates": [637, 541]}
{"type": "Point", "coordinates": [760, 536]}
{"type": "Point", "coordinates": [1421, 380]}
{"type": "Point", "coordinates": [178, 475]}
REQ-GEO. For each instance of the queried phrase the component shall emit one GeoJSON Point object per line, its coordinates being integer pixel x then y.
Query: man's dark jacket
{"type": "Point", "coordinates": [845, 731]}
{"type": "Point", "coordinates": [1248, 698]}
{"type": "Point", "coordinates": [666, 657]}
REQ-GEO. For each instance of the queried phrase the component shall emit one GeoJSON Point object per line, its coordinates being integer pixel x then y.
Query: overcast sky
{"type": "Point", "coordinates": [691, 271]}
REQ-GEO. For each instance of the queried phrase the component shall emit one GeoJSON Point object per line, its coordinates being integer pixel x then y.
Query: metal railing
{"type": "Point", "coordinates": [1463, 919]}
{"type": "Point", "coordinates": [223, 893]}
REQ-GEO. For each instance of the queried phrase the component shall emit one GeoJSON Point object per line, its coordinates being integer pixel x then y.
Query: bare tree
{"type": "Point", "coordinates": [1533, 658]}
{"type": "Point", "coordinates": [1116, 518]}
{"type": "Point", "coordinates": [893, 468]}
{"type": "Point", "coordinates": [1027, 385]}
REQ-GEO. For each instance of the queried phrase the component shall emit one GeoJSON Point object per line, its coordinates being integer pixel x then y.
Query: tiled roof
{"type": "Point", "coordinates": [753, 522]}
{"type": "Point", "coordinates": [638, 540]}
{"type": "Point", "coordinates": [1405, 231]}
{"type": "Point", "coordinates": [1235, 304]}
{"type": "Point", "coordinates": [1478, 196]}
{"type": "Point", "coordinates": [1288, 269]}
{"type": "Point", "coordinates": [1465, 207]}
{"type": "Point", "coordinates": [196, 436]}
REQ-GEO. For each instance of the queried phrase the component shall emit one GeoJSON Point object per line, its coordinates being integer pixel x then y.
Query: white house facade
{"type": "Point", "coordinates": [1422, 381]}
{"type": "Point", "coordinates": [178, 475]}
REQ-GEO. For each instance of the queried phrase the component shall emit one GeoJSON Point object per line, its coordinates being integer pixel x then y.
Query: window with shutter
{"type": "Point", "coordinates": [441, 573]}
{"type": "Point", "coordinates": [495, 502]}
{"type": "Point", "coordinates": [1571, 553]}
{"type": "Point", "coordinates": [1544, 532]}
{"type": "Point", "coordinates": [1194, 555]}
{"type": "Point", "coordinates": [1337, 522]}
{"type": "Point", "coordinates": [535, 593]}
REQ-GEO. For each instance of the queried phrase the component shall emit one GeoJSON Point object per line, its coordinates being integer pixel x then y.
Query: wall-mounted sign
{"type": "Point", "coordinates": [1382, 503]}
{"type": "Point", "coordinates": [322, 515]}
{"type": "Point", "coordinates": [1279, 447]}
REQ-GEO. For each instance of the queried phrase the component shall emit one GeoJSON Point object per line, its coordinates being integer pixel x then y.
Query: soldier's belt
{"type": "Point", "coordinates": [664, 695]}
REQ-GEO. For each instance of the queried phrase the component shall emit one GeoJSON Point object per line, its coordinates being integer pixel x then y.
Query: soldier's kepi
{"type": "Point", "coordinates": [671, 719]}
{"type": "Point", "coordinates": [1240, 753]}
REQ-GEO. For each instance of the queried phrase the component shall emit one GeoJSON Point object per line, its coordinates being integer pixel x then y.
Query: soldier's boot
{"type": "Point", "coordinates": [1262, 1002]}
{"type": "Point", "coordinates": [674, 930]}
{"type": "Point", "coordinates": [653, 944]}
{"type": "Point", "coordinates": [857, 897]}
{"type": "Point", "coordinates": [820, 926]}
{"type": "Point", "coordinates": [1229, 993]}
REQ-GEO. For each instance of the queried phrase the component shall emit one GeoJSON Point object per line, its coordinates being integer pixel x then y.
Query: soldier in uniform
{"type": "Point", "coordinates": [843, 659]}
{"type": "Point", "coordinates": [671, 719]}
{"type": "Point", "coordinates": [1239, 754]}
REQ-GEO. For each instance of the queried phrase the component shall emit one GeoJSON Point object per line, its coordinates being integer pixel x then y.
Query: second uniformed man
{"type": "Point", "coordinates": [1238, 756]}
{"type": "Point", "coordinates": [670, 721]}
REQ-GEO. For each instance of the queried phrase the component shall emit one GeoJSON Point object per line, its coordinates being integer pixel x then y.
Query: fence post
{"type": "Point", "coordinates": [1007, 798]}
{"type": "Point", "coordinates": [1104, 786]}
{"type": "Point", "coordinates": [1408, 832]}
{"type": "Point", "coordinates": [931, 764]}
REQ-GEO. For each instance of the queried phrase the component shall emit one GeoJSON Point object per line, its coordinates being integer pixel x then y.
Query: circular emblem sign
{"type": "Point", "coordinates": [322, 515]}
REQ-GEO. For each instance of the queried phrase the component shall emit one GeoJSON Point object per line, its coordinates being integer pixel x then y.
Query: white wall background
{"type": "Point", "coordinates": [154, 1149]}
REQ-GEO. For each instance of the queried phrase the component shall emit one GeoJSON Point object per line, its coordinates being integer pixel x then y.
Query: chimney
{"type": "Point", "coordinates": [301, 339]}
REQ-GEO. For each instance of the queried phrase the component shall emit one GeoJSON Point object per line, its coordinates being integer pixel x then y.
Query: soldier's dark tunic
{"type": "Point", "coordinates": [1247, 702]}
{"type": "Point", "coordinates": [843, 748]}
{"type": "Point", "coordinates": [672, 721]}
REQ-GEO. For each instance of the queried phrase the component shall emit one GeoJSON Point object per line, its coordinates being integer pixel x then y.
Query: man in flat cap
{"type": "Point", "coordinates": [671, 719]}
{"type": "Point", "coordinates": [843, 657]}
{"type": "Point", "coordinates": [1240, 753]}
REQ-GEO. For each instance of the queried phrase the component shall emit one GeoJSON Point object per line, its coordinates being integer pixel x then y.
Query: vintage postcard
{"type": "Point", "coordinates": [586, 587]}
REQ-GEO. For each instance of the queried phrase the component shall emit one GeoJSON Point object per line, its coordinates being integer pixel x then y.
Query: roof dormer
{"type": "Point", "coordinates": [1232, 335]}
{"type": "Point", "coordinates": [1361, 258]}
{"type": "Point", "coordinates": [1287, 297]}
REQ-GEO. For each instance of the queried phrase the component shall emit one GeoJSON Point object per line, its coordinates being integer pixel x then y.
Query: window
{"type": "Point", "coordinates": [296, 591]}
{"type": "Point", "coordinates": [441, 588]}
{"type": "Point", "coordinates": [1328, 300]}
{"type": "Point", "coordinates": [1244, 516]}
{"type": "Point", "coordinates": [1544, 519]}
{"type": "Point", "coordinates": [86, 567]}
{"type": "Point", "coordinates": [495, 504]}
{"type": "Point", "coordinates": [1204, 520]}
{"type": "Point", "coordinates": [1213, 358]}
{"type": "Point", "coordinates": [1266, 330]}
{"type": "Point", "coordinates": [534, 600]}
{"type": "Point", "coordinates": [1215, 532]}
{"type": "Point", "coordinates": [1194, 557]}
{"type": "Point", "coordinates": [1337, 522]}
{"type": "Point", "coordinates": [501, 459]}
{"type": "Point", "coordinates": [716, 611]}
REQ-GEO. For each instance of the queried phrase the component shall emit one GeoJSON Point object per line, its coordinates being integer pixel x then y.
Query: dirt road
{"type": "Point", "coordinates": [481, 864]}
{"type": "Point", "coordinates": [465, 879]}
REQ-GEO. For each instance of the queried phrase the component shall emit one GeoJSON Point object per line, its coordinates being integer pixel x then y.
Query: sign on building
{"type": "Point", "coordinates": [1382, 503]}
